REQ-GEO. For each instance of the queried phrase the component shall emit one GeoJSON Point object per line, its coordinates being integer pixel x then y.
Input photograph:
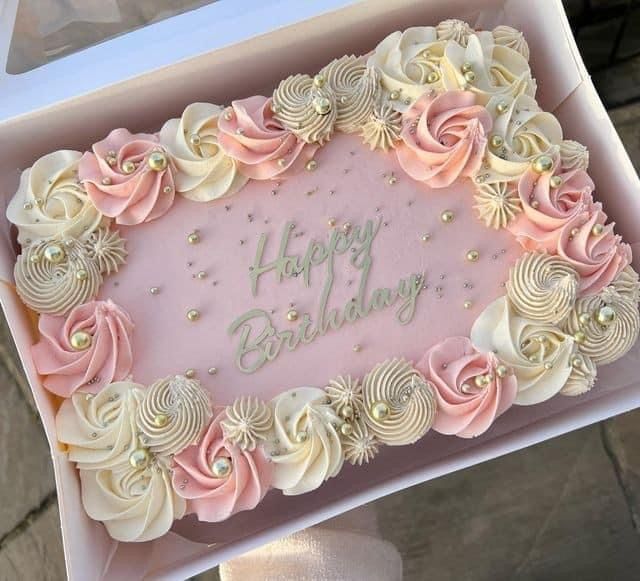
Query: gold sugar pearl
{"type": "Point", "coordinates": [106, 181]}
{"type": "Point", "coordinates": [502, 107]}
{"type": "Point", "coordinates": [128, 167]}
{"type": "Point", "coordinates": [158, 161]}
{"type": "Point", "coordinates": [574, 231]}
{"type": "Point", "coordinates": [346, 429]}
{"type": "Point", "coordinates": [292, 315]}
{"type": "Point", "coordinates": [193, 237]}
{"type": "Point", "coordinates": [194, 139]}
{"type": "Point", "coordinates": [139, 458]}
{"type": "Point", "coordinates": [597, 229]}
{"type": "Point", "coordinates": [502, 370]}
{"type": "Point", "coordinates": [579, 337]}
{"type": "Point", "coordinates": [54, 254]}
{"type": "Point", "coordinates": [190, 373]}
{"type": "Point", "coordinates": [193, 314]}
{"type": "Point", "coordinates": [584, 318]}
{"type": "Point", "coordinates": [466, 67]}
{"type": "Point", "coordinates": [154, 290]}
{"type": "Point", "coordinates": [469, 76]}
{"type": "Point", "coordinates": [82, 274]}
{"type": "Point", "coordinates": [221, 467]}
{"type": "Point", "coordinates": [160, 420]}
{"type": "Point", "coordinates": [346, 226]}
{"type": "Point", "coordinates": [111, 160]}
{"type": "Point", "coordinates": [380, 410]}
{"type": "Point", "coordinates": [35, 258]}
{"type": "Point", "coordinates": [392, 180]}
{"type": "Point", "coordinates": [319, 80]}
{"type": "Point", "coordinates": [447, 216]}
{"type": "Point", "coordinates": [496, 141]}
{"type": "Point", "coordinates": [467, 304]}
{"type": "Point", "coordinates": [302, 437]}
{"type": "Point", "coordinates": [542, 164]}
{"type": "Point", "coordinates": [27, 206]}
{"type": "Point", "coordinates": [282, 162]}
{"type": "Point", "coordinates": [480, 381]}
{"type": "Point", "coordinates": [576, 362]}
{"type": "Point", "coordinates": [80, 341]}
{"type": "Point", "coordinates": [331, 222]}
{"type": "Point", "coordinates": [394, 95]}
{"type": "Point", "coordinates": [473, 256]}
{"type": "Point", "coordinates": [346, 412]}
{"type": "Point", "coordinates": [357, 348]}
{"type": "Point", "coordinates": [201, 275]}
{"type": "Point", "coordinates": [605, 315]}
{"type": "Point", "coordinates": [212, 370]}
{"type": "Point", "coordinates": [321, 105]}
{"type": "Point", "coordinates": [426, 237]}
{"type": "Point", "coordinates": [311, 165]}
{"type": "Point", "coordinates": [555, 181]}
{"type": "Point", "coordinates": [167, 189]}
{"type": "Point", "coordinates": [433, 77]}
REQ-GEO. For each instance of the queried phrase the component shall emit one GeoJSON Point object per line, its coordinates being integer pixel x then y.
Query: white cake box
{"type": "Point", "coordinates": [230, 50]}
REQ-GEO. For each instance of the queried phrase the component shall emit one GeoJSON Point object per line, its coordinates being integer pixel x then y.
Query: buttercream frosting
{"type": "Point", "coordinates": [627, 284]}
{"type": "Point", "coordinates": [542, 287]}
{"type": "Point", "coordinates": [107, 249]}
{"type": "Point", "coordinates": [53, 276]}
{"type": "Point", "coordinates": [511, 38]}
{"type": "Point", "coordinates": [121, 181]}
{"type": "Point", "coordinates": [604, 339]}
{"type": "Point", "coordinates": [247, 422]}
{"type": "Point", "coordinates": [573, 155]}
{"type": "Point", "coordinates": [497, 203]}
{"type": "Point", "coordinates": [134, 504]}
{"type": "Point", "coordinates": [360, 445]}
{"type": "Point", "coordinates": [108, 356]}
{"type": "Point", "coordinates": [382, 128]}
{"type": "Point", "coordinates": [204, 171]}
{"type": "Point", "coordinates": [408, 403]}
{"type": "Point", "coordinates": [356, 88]}
{"type": "Point", "coordinates": [261, 146]}
{"type": "Point", "coordinates": [305, 447]}
{"type": "Point", "coordinates": [99, 431]}
{"type": "Point", "coordinates": [218, 478]}
{"type": "Point", "coordinates": [456, 30]}
{"type": "Point", "coordinates": [583, 375]}
{"type": "Point", "coordinates": [51, 202]}
{"type": "Point", "coordinates": [345, 394]}
{"type": "Point", "coordinates": [470, 392]}
{"type": "Point", "coordinates": [444, 138]}
{"type": "Point", "coordinates": [306, 108]}
{"type": "Point", "coordinates": [539, 354]}
{"type": "Point", "coordinates": [173, 414]}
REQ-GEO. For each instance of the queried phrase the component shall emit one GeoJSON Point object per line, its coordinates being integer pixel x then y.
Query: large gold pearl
{"type": "Point", "coordinates": [473, 256]}
{"type": "Point", "coordinates": [160, 420]}
{"type": "Point", "coordinates": [301, 437]}
{"type": "Point", "coordinates": [221, 467]}
{"type": "Point", "coordinates": [128, 167]}
{"type": "Point", "coordinates": [319, 80]}
{"type": "Point", "coordinates": [321, 105]}
{"type": "Point", "coordinates": [158, 161]}
{"type": "Point", "coordinates": [346, 412]}
{"type": "Point", "coordinates": [433, 77]}
{"type": "Point", "coordinates": [502, 370]}
{"type": "Point", "coordinates": [82, 274]}
{"type": "Point", "coordinates": [380, 410]}
{"type": "Point", "coordinates": [292, 315]}
{"type": "Point", "coordinates": [502, 107]}
{"type": "Point", "coordinates": [480, 381]}
{"type": "Point", "coordinates": [542, 164]}
{"type": "Point", "coordinates": [469, 76]}
{"type": "Point", "coordinates": [579, 337]}
{"type": "Point", "coordinates": [605, 315]}
{"type": "Point", "coordinates": [194, 139]}
{"type": "Point", "coordinates": [139, 458]}
{"type": "Point", "coordinates": [597, 229]}
{"type": "Point", "coordinates": [555, 181]}
{"type": "Point", "coordinates": [193, 314]}
{"type": "Point", "coordinates": [54, 254]}
{"type": "Point", "coordinates": [80, 340]}
{"type": "Point", "coordinates": [346, 429]}
{"type": "Point", "coordinates": [311, 165]}
{"type": "Point", "coordinates": [466, 67]}
{"type": "Point", "coordinates": [447, 216]}
{"type": "Point", "coordinates": [496, 141]}
{"type": "Point", "coordinates": [193, 238]}
{"type": "Point", "coordinates": [584, 318]}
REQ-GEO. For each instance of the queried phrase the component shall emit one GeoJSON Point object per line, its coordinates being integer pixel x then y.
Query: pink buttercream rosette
{"type": "Point", "coordinates": [263, 148]}
{"type": "Point", "coordinates": [216, 499]}
{"type": "Point", "coordinates": [597, 258]}
{"type": "Point", "coordinates": [141, 195]}
{"type": "Point", "coordinates": [444, 138]}
{"type": "Point", "coordinates": [464, 409]}
{"type": "Point", "coordinates": [108, 358]}
{"type": "Point", "coordinates": [546, 210]}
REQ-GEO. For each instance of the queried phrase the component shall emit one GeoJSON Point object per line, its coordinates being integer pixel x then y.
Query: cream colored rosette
{"type": "Point", "coordinates": [605, 325]}
{"type": "Point", "coordinates": [135, 504]}
{"type": "Point", "coordinates": [54, 276]}
{"type": "Point", "coordinates": [173, 414]}
{"type": "Point", "coordinates": [359, 444]}
{"type": "Point", "coordinates": [456, 30]}
{"type": "Point", "coordinates": [409, 64]}
{"type": "Point", "coordinates": [305, 445]}
{"type": "Point", "coordinates": [383, 127]}
{"type": "Point", "coordinates": [583, 375]}
{"type": "Point", "coordinates": [487, 69]}
{"type": "Point", "coordinates": [356, 88]}
{"type": "Point", "coordinates": [511, 38]}
{"type": "Point", "coordinates": [399, 404]}
{"type": "Point", "coordinates": [573, 155]}
{"type": "Point", "coordinates": [345, 395]}
{"type": "Point", "coordinates": [307, 107]}
{"type": "Point", "coordinates": [540, 354]}
{"type": "Point", "coordinates": [51, 202]}
{"type": "Point", "coordinates": [100, 430]}
{"type": "Point", "coordinates": [247, 423]}
{"type": "Point", "coordinates": [542, 287]}
{"type": "Point", "coordinates": [204, 171]}
{"type": "Point", "coordinates": [107, 249]}
{"type": "Point", "coordinates": [627, 284]}
{"type": "Point", "coordinates": [497, 203]}
{"type": "Point", "coordinates": [520, 134]}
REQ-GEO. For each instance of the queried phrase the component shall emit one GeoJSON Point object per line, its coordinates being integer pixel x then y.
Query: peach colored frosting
{"type": "Point", "coordinates": [444, 138]}
{"type": "Point", "coordinates": [596, 258]}
{"type": "Point", "coordinates": [214, 498]}
{"type": "Point", "coordinates": [464, 409]}
{"type": "Point", "coordinates": [131, 197]}
{"type": "Point", "coordinates": [546, 210]}
{"type": "Point", "coordinates": [259, 143]}
{"type": "Point", "coordinates": [108, 358]}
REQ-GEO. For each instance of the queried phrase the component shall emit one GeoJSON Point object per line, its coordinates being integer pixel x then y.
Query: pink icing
{"type": "Point", "coordinates": [444, 138]}
{"type": "Point", "coordinates": [216, 499]}
{"type": "Point", "coordinates": [539, 226]}
{"type": "Point", "coordinates": [109, 358]}
{"type": "Point", "coordinates": [140, 196]}
{"type": "Point", "coordinates": [454, 363]}
{"type": "Point", "coordinates": [258, 142]}
{"type": "Point", "coordinates": [597, 259]}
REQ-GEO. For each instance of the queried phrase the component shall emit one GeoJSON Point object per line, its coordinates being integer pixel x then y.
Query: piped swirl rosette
{"type": "Point", "coordinates": [399, 404]}
{"type": "Point", "coordinates": [218, 478]}
{"type": "Point", "coordinates": [247, 422]}
{"type": "Point", "coordinates": [307, 107]}
{"type": "Point", "coordinates": [305, 447]}
{"type": "Point", "coordinates": [51, 202]}
{"type": "Point", "coordinates": [173, 414]}
{"type": "Point", "coordinates": [135, 504]}
{"type": "Point", "coordinates": [542, 287]}
{"type": "Point", "coordinates": [472, 388]}
{"type": "Point", "coordinates": [53, 276]}
{"type": "Point", "coordinates": [203, 170]}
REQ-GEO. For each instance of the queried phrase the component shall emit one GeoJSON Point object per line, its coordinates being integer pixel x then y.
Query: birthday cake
{"type": "Point", "coordinates": [257, 296]}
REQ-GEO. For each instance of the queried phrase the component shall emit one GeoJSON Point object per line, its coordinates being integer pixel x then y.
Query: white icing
{"type": "Point", "coordinates": [511, 38]}
{"type": "Point", "coordinates": [55, 288]}
{"type": "Point", "coordinates": [204, 171]}
{"type": "Point", "coordinates": [538, 353]}
{"type": "Point", "coordinates": [456, 30]}
{"type": "Point", "coordinates": [542, 287]}
{"type": "Point", "coordinates": [173, 414]}
{"type": "Point", "coordinates": [107, 249]}
{"type": "Point", "coordinates": [134, 505]}
{"type": "Point", "coordinates": [627, 284]}
{"type": "Point", "coordinates": [247, 423]}
{"type": "Point", "coordinates": [573, 155]}
{"type": "Point", "coordinates": [360, 446]}
{"type": "Point", "coordinates": [100, 430]}
{"type": "Point", "coordinates": [50, 201]}
{"type": "Point", "coordinates": [410, 400]}
{"type": "Point", "coordinates": [497, 203]}
{"type": "Point", "coordinates": [305, 448]}
{"type": "Point", "coordinates": [383, 127]}
{"type": "Point", "coordinates": [345, 392]}
{"type": "Point", "coordinates": [583, 375]}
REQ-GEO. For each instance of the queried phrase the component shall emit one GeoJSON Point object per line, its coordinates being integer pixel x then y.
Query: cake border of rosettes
{"type": "Point", "coordinates": [453, 103]}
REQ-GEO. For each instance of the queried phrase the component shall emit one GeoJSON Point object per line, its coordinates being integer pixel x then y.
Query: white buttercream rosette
{"type": "Point", "coordinates": [305, 446]}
